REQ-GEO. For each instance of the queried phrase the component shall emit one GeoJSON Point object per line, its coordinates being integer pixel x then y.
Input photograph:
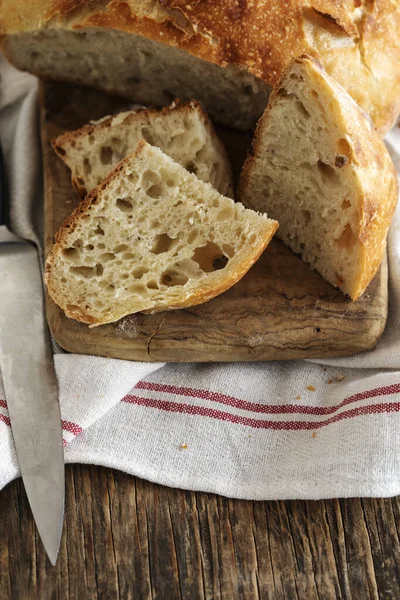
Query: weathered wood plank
{"type": "Point", "coordinates": [128, 538]}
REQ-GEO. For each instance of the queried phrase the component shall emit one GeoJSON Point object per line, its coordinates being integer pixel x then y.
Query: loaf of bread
{"type": "Point", "coordinates": [318, 166]}
{"type": "Point", "coordinates": [225, 53]}
{"type": "Point", "coordinates": [151, 237]}
{"type": "Point", "coordinates": [183, 131]}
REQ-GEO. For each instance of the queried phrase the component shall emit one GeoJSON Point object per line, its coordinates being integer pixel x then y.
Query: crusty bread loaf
{"type": "Point", "coordinates": [318, 166]}
{"type": "Point", "coordinates": [182, 131]}
{"type": "Point", "coordinates": [151, 237]}
{"type": "Point", "coordinates": [224, 53]}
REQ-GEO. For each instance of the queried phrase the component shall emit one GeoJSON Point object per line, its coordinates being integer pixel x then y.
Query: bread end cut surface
{"type": "Point", "coordinates": [151, 237]}
{"type": "Point", "coordinates": [319, 167]}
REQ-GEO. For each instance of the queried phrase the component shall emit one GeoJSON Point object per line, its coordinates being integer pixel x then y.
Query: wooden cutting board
{"type": "Point", "coordinates": [279, 310]}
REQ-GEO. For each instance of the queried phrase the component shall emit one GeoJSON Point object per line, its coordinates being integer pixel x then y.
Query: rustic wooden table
{"type": "Point", "coordinates": [127, 538]}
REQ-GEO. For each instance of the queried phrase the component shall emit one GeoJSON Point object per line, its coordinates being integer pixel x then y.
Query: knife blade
{"type": "Point", "coordinates": [30, 383]}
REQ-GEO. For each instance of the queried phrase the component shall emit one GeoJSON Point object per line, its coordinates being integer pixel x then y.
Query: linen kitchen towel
{"type": "Point", "coordinates": [298, 429]}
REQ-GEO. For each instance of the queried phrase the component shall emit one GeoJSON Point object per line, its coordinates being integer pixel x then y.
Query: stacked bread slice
{"type": "Point", "coordinates": [183, 131]}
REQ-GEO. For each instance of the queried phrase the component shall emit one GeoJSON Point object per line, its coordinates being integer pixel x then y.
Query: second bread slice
{"type": "Point", "coordinates": [183, 131]}
{"type": "Point", "coordinates": [151, 237]}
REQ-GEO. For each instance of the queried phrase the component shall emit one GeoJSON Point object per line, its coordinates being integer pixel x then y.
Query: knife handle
{"type": "Point", "coordinates": [3, 192]}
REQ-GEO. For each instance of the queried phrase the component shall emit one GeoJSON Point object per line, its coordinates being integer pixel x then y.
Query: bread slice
{"type": "Point", "coordinates": [151, 237]}
{"type": "Point", "coordinates": [318, 166]}
{"type": "Point", "coordinates": [183, 131]}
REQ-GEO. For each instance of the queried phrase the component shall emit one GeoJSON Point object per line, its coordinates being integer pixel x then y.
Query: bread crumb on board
{"type": "Point", "coordinates": [183, 446]}
{"type": "Point", "coordinates": [314, 435]}
{"type": "Point", "coordinates": [298, 397]}
{"type": "Point", "coordinates": [330, 381]}
{"type": "Point", "coordinates": [340, 377]}
{"type": "Point", "coordinates": [311, 388]}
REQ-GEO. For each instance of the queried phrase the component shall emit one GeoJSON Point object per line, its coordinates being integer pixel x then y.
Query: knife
{"type": "Point", "coordinates": [29, 379]}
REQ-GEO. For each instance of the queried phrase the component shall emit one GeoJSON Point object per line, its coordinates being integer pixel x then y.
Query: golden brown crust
{"type": "Point", "coordinates": [205, 293]}
{"type": "Point", "coordinates": [375, 175]}
{"type": "Point", "coordinates": [357, 42]}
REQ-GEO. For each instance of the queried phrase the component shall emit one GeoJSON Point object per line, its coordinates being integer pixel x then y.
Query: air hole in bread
{"type": "Point", "coordinates": [302, 109]}
{"type": "Point", "coordinates": [128, 256]}
{"type": "Point", "coordinates": [152, 284]}
{"type": "Point", "coordinates": [99, 230]}
{"type": "Point", "coordinates": [71, 254]}
{"type": "Point", "coordinates": [306, 216]}
{"type": "Point", "coordinates": [61, 150]}
{"type": "Point", "coordinates": [107, 256]}
{"type": "Point", "coordinates": [84, 272]}
{"type": "Point", "coordinates": [225, 214]}
{"type": "Point", "coordinates": [77, 243]}
{"type": "Point", "coordinates": [162, 243]}
{"type": "Point", "coordinates": [172, 277]}
{"type": "Point", "coordinates": [121, 248]}
{"type": "Point", "coordinates": [101, 246]}
{"type": "Point", "coordinates": [343, 148]}
{"type": "Point", "coordinates": [106, 155]}
{"type": "Point", "coordinates": [346, 204]}
{"type": "Point", "coordinates": [154, 191]}
{"type": "Point", "coordinates": [99, 270]}
{"type": "Point", "coordinates": [147, 136]}
{"type": "Point", "coordinates": [137, 288]}
{"type": "Point", "coordinates": [252, 238]}
{"type": "Point", "coordinates": [228, 250]}
{"type": "Point", "coordinates": [87, 167]}
{"type": "Point", "coordinates": [341, 161]}
{"type": "Point", "coordinates": [138, 272]}
{"type": "Point", "coordinates": [220, 263]}
{"type": "Point", "coordinates": [149, 178]}
{"type": "Point", "coordinates": [327, 171]}
{"type": "Point", "coordinates": [205, 256]}
{"type": "Point", "coordinates": [191, 167]}
{"type": "Point", "coordinates": [125, 205]}
{"type": "Point", "coordinates": [89, 247]}
{"type": "Point", "coordinates": [347, 239]}
{"type": "Point", "coordinates": [73, 308]}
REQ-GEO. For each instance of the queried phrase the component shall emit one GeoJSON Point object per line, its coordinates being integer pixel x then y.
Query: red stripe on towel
{"type": "Point", "coordinates": [261, 424]}
{"type": "Point", "coordinates": [71, 427]}
{"type": "Point", "coordinates": [267, 409]}
{"type": "Point", "coordinates": [5, 420]}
